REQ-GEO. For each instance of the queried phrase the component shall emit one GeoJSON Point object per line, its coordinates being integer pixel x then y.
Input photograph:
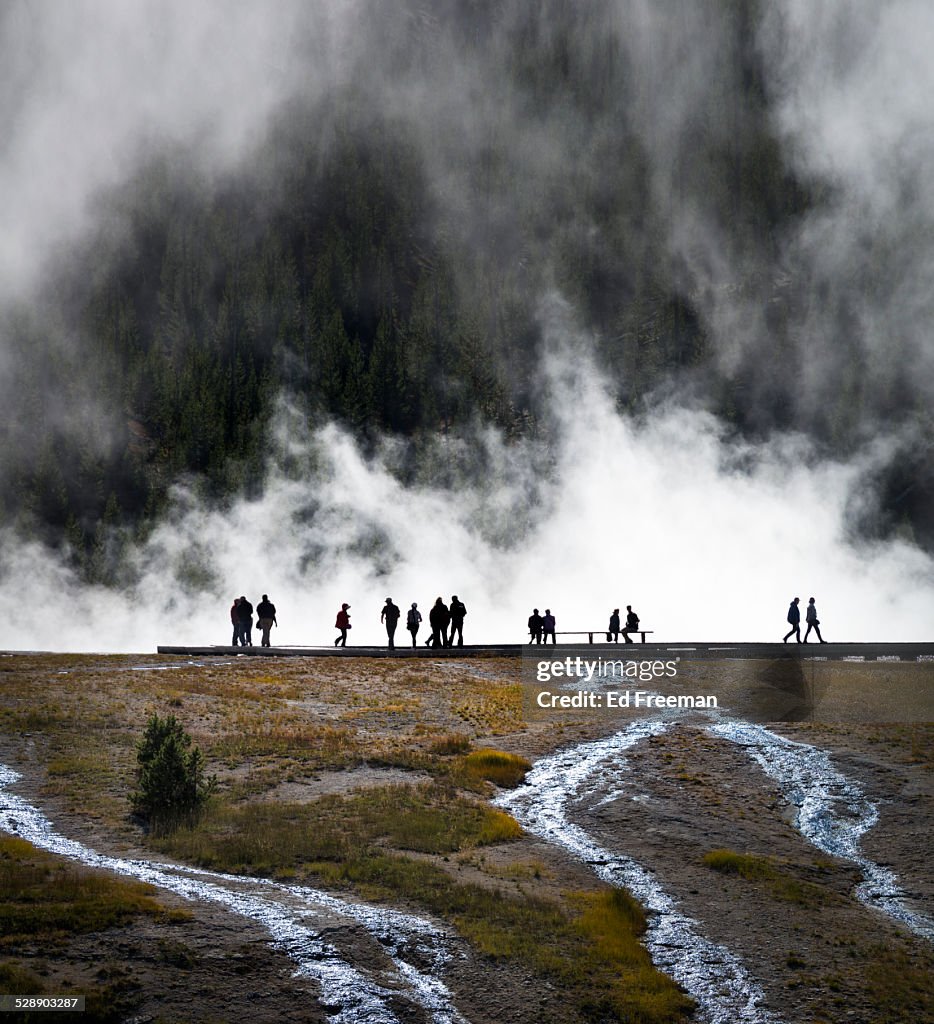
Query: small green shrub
{"type": "Point", "coordinates": [171, 784]}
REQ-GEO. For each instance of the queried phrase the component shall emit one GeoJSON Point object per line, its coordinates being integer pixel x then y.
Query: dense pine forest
{"type": "Point", "coordinates": [372, 264]}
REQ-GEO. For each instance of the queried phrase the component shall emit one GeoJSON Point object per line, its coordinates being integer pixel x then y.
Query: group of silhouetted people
{"type": "Point", "coordinates": [613, 630]}
{"type": "Point", "coordinates": [241, 618]}
{"type": "Point", "coordinates": [541, 627]}
{"type": "Point", "coordinates": [447, 623]}
{"type": "Point", "coordinates": [794, 620]}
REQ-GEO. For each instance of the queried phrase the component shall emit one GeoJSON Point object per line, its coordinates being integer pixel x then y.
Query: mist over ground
{"type": "Point", "coordinates": [683, 257]}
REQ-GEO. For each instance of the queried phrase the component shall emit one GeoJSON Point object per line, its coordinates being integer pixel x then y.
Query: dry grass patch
{"type": "Point", "coordinates": [53, 717]}
{"type": "Point", "coordinates": [44, 899]}
{"type": "Point", "coordinates": [779, 880]}
{"type": "Point", "coordinates": [45, 902]}
{"type": "Point", "coordinates": [497, 766]}
{"type": "Point", "coordinates": [900, 991]}
{"type": "Point", "coordinates": [491, 707]}
{"type": "Point", "coordinates": [283, 838]}
{"type": "Point", "coordinates": [518, 870]}
{"type": "Point", "coordinates": [414, 680]}
{"type": "Point", "coordinates": [286, 736]}
{"type": "Point", "coordinates": [449, 745]}
{"type": "Point", "coordinates": [745, 865]}
{"type": "Point", "coordinates": [94, 782]}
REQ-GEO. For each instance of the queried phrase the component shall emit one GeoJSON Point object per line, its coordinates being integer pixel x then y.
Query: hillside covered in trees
{"type": "Point", "coordinates": [380, 256]}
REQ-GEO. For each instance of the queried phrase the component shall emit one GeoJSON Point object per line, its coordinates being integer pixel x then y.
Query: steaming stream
{"type": "Point", "coordinates": [294, 916]}
{"type": "Point", "coordinates": [833, 813]}
{"type": "Point", "coordinates": [709, 972]}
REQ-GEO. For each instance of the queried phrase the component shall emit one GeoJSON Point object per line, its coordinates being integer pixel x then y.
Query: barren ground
{"type": "Point", "coordinates": [293, 730]}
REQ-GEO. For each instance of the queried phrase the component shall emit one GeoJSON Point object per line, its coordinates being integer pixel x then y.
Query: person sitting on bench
{"type": "Point", "coordinates": [632, 624]}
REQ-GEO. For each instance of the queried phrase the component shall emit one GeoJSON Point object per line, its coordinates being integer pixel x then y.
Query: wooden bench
{"type": "Point", "coordinates": [591, 633]}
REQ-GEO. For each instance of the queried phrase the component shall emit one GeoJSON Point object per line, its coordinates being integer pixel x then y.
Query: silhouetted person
{"type": "Point", "coordinates": [235, 621]}
{"type": "Point", "coordinates": [548, 627]}
{"type": "Point", "coordinates": [535, 627]}
{"type": "Point", "coordinates": [413, 620]}
{"type": "Point", "coordinates": [613, 628]}
{"type": "Point", "coordinates": [390, 615]}
{"type": "Point", "coordinates": [794, 617]}
{"type": "Point", "coordinates": [458, 611]}
{"type": "Point", "coordinates": [632, 623]}
{"type": "Point", "coordinates": [438, 619]}
{"type": "Point", "coordinates": [810, 616]}
{"type": "Point", "coordinates": [245, 614]}
{"type": "Point", "coordinates": [343, 624]}
{"type": "Point", "coordinates": [266, 614]}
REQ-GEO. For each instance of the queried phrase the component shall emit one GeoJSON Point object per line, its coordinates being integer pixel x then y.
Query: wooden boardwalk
{"type": "Point", "coordinates": [916, 652]}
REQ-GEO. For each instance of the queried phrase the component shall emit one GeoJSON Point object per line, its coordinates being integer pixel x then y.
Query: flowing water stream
{"type": "Point", "coordinates": [709, 972]}
{"type": "Point", "coordinates": [295, 917]}
{"type": "Point", "coordinates": [832, 812]}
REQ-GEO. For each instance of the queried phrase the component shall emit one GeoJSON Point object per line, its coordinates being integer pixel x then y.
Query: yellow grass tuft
{"type": "Point", "coordinates": [497, 766]}
{"type": "Point", "coordinates": [450, 745]}
{"type": "Point", "coordinates": [778, 880]}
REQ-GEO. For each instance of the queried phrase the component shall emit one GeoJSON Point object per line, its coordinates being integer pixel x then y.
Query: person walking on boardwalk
{"type": "Point", "coordinates": [412, 621]}
{"type": "Point", "coordinates": [794, 618]}
{"type": "Point", "coordinates": [266, 618]}
{"type": "Point", "coordinates": [632, 623]}
{"type": "Point", "coordinates": [390, 615]}
{"type": "Point", "coordinates": [810, 616]}
{"type": "Point", "coordinates": [535, 627]}
{"type": "Point", "coordinates": [245, 614]}
{"type": "Point", "coordinates": [438, 619]}
{"type": "Point", "coordinates": [548, 627]}
{"type": "Point", "coordinates": [235, 621]}
{"type": "Point", "coordinates": [458, 611]}
{"type": "Point", "coordinates": [343, 624]}
{"type": "Point", "coordinates": [613, 628]}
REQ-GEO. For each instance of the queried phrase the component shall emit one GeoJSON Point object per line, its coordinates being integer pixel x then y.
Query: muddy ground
{"type": "Point", "coordinates": [818, 953]}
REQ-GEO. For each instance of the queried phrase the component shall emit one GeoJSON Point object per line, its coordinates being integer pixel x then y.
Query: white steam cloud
{"type": "Point", "coordinates": [706, 540]}
{"type": "Point", "coordinates": [849, 83]}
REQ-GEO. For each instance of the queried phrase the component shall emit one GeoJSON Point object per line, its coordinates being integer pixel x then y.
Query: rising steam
{"type": "Point", "coordinates": [706, 536]}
